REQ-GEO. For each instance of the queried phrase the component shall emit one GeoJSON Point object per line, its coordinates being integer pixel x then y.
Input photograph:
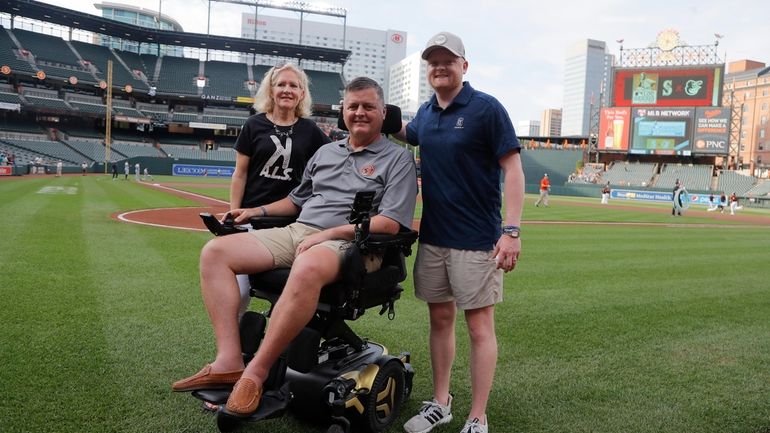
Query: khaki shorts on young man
{"type": "Point", "coordinates": [282, 243]}
{"type": "Point", "coordinates": [470, 278]}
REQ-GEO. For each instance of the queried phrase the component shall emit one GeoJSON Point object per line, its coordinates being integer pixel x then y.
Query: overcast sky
{"type": "Point", "coordinates": [516, 48]}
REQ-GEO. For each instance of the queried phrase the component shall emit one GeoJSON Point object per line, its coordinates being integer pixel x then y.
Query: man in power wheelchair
{"type": "Point", "coordinates": [328, 248]}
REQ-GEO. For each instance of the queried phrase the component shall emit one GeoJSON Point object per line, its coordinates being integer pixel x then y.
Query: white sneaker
{"type": "Point", "coordinates": [432, 414]}
{"type": "Point", "coordinates": [474, 426]}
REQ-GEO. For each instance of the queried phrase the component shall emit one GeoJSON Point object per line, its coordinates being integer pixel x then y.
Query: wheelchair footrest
{"type": "Point", "coordinates": [273, 403]}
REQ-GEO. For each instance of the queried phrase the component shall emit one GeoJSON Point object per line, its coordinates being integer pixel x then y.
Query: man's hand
{"type": "Point", "coordinates": [242, 216]}
{"type": "Point", "coordinates": [507, 252]}
{"type": "Point", "coordinates": [314, 239]}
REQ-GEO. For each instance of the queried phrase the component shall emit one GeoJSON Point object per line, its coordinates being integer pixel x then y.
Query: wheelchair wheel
{"type": "Point", "coordinates": [384, 400]}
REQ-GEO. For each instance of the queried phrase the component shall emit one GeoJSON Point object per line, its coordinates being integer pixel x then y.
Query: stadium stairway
{"type": "Point", "coordinates": [714, 183]}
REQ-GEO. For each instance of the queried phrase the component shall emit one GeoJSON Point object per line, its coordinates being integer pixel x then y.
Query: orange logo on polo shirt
{"type": "Point", "coordinates": [367, 170]}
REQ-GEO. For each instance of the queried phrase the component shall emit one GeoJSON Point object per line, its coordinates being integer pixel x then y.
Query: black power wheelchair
{"type": "Point", "coordinates": [329, 372]}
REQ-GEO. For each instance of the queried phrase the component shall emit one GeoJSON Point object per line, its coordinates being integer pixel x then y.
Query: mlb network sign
{"type": "Point", "coordinates": [202, 170]}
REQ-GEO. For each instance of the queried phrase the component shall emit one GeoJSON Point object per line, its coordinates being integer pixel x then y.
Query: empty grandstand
{"type": "Point", "coordinates": [693, 177]}
{"type": "Point", "coordinates": [623, 173]}
{"type": "Point", "coordinates": [226, 79]}
{"type": "Point", "coordinates": [731, 181]}
{"type": "Point", "coordinates": [133, 150]}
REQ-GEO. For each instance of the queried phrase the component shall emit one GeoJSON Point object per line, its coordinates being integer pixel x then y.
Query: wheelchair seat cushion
{"type": "Point", "coordinates": [377, 288]}
{"type": "Point", "coordinates": [356, 289]}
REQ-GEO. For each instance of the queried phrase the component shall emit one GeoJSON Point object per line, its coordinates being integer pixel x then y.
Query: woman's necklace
{"type": "Point", "coordinates": [286, 133]}
{"type": "Point", "coordinates": [283, 133]}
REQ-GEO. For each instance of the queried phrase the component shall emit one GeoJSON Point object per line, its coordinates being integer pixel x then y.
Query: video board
{"type": "Point", "coordinates": [614, 125]}
{"type": "Point", "coordinates": [711, 131]}
{"type": "Point", "coordinates": [668, 87]}
{"type": "Point", "coordinates": [662, 131]}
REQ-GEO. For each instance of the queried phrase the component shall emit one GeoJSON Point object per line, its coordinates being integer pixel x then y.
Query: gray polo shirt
{"type": "Point", "coordinates": [335, 174]}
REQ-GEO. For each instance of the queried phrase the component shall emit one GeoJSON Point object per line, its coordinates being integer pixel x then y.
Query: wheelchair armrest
{"type": "Point", "coordinates": [381, 241]}
{"type": "Point", "coordinates": [267, 222]}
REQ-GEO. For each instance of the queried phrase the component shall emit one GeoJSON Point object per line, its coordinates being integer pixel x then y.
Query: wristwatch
{"type": "Point", "coordinates": [512, 231]}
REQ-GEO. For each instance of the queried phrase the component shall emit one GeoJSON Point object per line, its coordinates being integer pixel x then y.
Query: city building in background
{"type": "Point", "coordinates": [586, 74]}
{"type": "Point", "coordinates": [747, 91]}
{"type": "Point", "coordinates": [373, 51]}
{"type": "Point", "coordinates": [528, 128]}
{"type": "Point", "coordinates": [139, 17]}
{"type": "Point", "coordinates": [408, 86]}
{"type": "Point", "coordinates": [550, 122]}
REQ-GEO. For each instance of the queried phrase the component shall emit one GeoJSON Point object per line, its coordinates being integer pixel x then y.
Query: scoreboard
{"type": "Point", "coordinates": [666, 111]}
{"type": "Point", "coordinates": [668, 87]}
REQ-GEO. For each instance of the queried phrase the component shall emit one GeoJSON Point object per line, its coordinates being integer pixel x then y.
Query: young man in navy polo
{"type": "Point", "coordinates": [466, 140]}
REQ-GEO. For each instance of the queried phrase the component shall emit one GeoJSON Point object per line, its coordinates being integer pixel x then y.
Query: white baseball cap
{"type": "Point", "coordinates": [445, 40]}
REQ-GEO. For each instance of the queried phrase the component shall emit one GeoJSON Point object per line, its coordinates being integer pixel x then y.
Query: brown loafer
{"type": "Point", "coordinates": [244, 399]}
{"type": "Point", "coordinates": [205, 379]}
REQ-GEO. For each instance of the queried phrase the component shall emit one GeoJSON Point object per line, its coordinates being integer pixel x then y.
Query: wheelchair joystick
{"type": "Point", "coordinates": [229, 221]}
{"type": "Point", "coordinates": [359, 215]}
{"type": "Point", "coordinates": [227, 227]}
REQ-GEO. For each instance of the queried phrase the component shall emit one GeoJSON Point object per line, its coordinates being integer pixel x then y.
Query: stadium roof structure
{"type": "Point", "coordinates": [96, 24]}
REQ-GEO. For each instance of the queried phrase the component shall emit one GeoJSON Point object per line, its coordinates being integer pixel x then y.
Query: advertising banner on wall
{"type": "Point", "coordinates": [641, 195]}
{"type": "Point", "coordinates": [662, 131]}
{"type": "Point", "coordinates": [202, 170]}
{"type": "Point", "coordinates": [711, 131]}
{"type": "Point", "coordinates": [668, 87]}
{"type": "Point", "coordinates": [614, 125]}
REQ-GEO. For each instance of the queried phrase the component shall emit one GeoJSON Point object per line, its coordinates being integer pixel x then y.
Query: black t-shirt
{"type": "Point", "coordinates": [278, 155]}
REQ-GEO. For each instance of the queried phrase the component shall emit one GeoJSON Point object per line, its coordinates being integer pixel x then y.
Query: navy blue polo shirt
{"type": "Point", "coordinates": [460, 150]}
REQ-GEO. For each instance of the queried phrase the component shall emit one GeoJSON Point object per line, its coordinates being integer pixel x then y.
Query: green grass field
{"type": "Point", "coordinates": [604, 328]}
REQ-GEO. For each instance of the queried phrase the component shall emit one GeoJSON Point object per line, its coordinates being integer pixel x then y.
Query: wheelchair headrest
{"type": "Point", "coordinates": [391, 125]}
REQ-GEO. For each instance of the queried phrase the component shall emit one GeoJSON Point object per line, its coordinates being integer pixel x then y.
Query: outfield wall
{"type": "Point", "coordinates": [559, 164]}
{"type": "Point", "coordinates": [165, 166]}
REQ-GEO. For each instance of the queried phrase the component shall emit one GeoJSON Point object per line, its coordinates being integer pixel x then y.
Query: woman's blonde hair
{"type": "Point", "coordinates": [263, 101]}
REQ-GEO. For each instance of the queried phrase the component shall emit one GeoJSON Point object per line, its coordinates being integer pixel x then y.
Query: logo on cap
{"type": "Point", "coordinates": [440, 39]}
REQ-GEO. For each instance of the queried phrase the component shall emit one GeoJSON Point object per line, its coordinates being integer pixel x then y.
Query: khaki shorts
{"type": "Point", "coordinates": [469, 278]}
{"type": "Point", "coordinates": [282, 243]}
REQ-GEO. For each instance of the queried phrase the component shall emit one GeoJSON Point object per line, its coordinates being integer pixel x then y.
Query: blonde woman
{"type": "Point", "coordinates": [274, 145]}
